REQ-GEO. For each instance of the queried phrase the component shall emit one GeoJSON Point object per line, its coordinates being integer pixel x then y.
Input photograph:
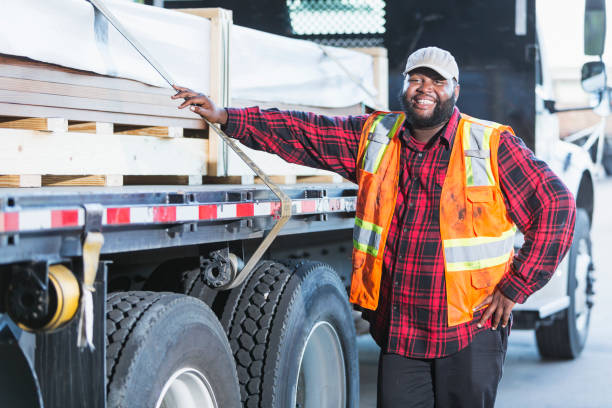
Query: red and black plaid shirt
{"type": "Point", "coordinates": [411, 319]}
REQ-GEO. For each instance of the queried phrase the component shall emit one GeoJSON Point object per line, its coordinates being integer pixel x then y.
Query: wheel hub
{"type": "Point", "coordinates": [322, 378]}
{"type": "Point", "coordinates": [582, 272]}
{"type": "Point", "coordinates": [187, 388]}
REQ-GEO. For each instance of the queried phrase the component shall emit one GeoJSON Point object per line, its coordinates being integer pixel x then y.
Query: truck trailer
{"type": "Point", "coordinates": [129, 292]}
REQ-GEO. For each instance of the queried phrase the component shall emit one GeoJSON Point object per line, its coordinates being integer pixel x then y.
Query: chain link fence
{"type": "Point", "coordinates": [344, 23]}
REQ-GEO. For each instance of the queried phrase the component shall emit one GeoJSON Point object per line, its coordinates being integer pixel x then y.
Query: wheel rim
{"type": "Point", "coordinates": [581, 308]}
{"type": "Point", "coordinates": [321, 376]}
{"type": "Point", "coordinates": [187, 388]}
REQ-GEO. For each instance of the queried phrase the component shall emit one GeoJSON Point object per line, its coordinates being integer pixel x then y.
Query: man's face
{"type": "Point", "coordinates": [428, 98]}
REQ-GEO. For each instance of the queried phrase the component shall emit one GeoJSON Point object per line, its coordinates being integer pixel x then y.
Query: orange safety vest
{"type": "Point", "coordinates": [477, 233]}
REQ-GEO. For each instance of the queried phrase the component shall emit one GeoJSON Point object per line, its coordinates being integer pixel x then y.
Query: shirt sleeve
{"type": "Point", "coordinates": [542, 208]}
{"type": "Point", "coordinates": [324, 142]}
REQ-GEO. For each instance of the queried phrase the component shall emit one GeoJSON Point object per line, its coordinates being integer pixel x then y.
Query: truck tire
{"type": "Point", "coordinates": [166, 350]}
{"type": "Point", "coordinates": [293, 338]}
{"type": "Point", "coordinates": [607, 156]}
{"type": "Point", "coordinates": [566, 336]}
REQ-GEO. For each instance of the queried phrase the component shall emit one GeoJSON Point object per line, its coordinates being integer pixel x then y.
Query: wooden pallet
{"type": "Point", "coordinates": [38, 152]}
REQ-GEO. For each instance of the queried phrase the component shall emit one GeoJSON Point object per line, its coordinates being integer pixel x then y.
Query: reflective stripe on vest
{"type": "Point", "coordinates": [378, 176]}
{"type": "Point", "coordinates": [468, 254]}
{"type": "Point", "coordinates": [366, 236]}
{"type": "Point", "coordinates": [477, 154]}
{"type": "Point", "coordinates": [383, 129]}
{"type": "Point", "coordinates": [477, 233]}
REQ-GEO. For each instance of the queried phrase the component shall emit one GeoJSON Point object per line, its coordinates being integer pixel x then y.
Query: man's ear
{"type": "Point", "coordinates": [456, 92]}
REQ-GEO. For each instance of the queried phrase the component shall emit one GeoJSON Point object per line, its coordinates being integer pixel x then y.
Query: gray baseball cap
{"type": "Point", "coordinates": [435, 58]}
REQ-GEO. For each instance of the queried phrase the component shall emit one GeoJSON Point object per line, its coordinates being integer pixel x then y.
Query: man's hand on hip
{"type": "Point", "coordinates": [200, 104]}
{"type": "Point", "coordinates": [499, 309]}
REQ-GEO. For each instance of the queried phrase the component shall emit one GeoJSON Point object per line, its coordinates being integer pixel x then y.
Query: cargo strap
{"type": "Point", "coordinates": [285, 213]}
{"type": "Point", "coordinates": [92, 245]}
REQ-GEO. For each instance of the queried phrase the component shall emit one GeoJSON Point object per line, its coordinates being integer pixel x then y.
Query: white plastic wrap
{"type": "Point", "coordinates": [70, 34]}
{"type": "Point", "coordinates": [263, 67]}
{"type": "Point", "coordinates": [268, 67]}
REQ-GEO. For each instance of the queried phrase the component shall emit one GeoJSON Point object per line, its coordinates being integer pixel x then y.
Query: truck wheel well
{"type": "Point", "coordinates": [585, 196]}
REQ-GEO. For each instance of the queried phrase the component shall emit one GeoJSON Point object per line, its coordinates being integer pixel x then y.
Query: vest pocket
{"type": "Point", "coordinates": [486, 213]}
{"type": "Point", "coordinates": [483, 284]}
{"type": "Point", "coordinates": [483, 278]}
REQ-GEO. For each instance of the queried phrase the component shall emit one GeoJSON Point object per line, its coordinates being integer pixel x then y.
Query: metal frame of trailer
{"type": "Point", "coordinates": [47, 223]}
{"type": "Point", "coordinates": [41, 227]}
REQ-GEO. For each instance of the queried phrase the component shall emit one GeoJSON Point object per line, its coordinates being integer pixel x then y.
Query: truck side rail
{"type": "Point", "coordinates": [47, 223]}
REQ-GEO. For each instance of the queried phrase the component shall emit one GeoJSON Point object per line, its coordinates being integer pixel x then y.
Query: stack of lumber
{"type": "Point", "coordinates": [62, 126]}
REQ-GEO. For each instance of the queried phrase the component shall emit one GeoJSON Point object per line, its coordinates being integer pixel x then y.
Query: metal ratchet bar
{"type": "Point", "coordinates": [284, 198]}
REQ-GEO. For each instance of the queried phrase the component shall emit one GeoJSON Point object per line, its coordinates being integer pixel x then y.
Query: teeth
{"type": "Point", "coordinates": [424, 102]}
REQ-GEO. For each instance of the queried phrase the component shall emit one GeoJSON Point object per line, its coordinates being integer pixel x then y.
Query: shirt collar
{"type": "Point", "coordinates": [447, 136]}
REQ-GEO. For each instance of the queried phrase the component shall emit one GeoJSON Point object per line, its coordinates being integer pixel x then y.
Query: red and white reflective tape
{"type": "Point", "coordinates": [35, 220]}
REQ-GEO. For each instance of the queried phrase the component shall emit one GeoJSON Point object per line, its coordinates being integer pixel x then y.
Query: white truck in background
{"type": "Point", "coordinates": [165, 330]}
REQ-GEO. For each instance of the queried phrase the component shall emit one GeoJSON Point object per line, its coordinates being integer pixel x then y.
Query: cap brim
{"type": "Point", "coordinates": [445, 74]}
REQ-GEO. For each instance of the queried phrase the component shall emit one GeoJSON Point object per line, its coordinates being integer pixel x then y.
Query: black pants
{"type": "Point", "coordinates": [466, 379]}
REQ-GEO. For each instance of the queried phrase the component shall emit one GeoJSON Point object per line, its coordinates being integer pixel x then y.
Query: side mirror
{"type": "Point", "coordinates": [594, 27]}
{"type": "Point", "coordinates": [549, 105]}
{"type": "Point", "coordinates": [594, 77]}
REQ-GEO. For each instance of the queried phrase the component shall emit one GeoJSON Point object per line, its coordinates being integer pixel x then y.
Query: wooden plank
{"type": "Point", "coordinates": [100, 128]}
{"type": "Point", "coordinates": [196, 133]}
{"type": "Point", "coordinates": [160, 131]}
{"type": "Point", "coordinates": [23, 180]}
{"type": "Point", "coordinates": [84, 115]}
{"type": "Point", "coordinates": [90, 127]}
{"type": "Point", "coordinates": [14, 122]}
{"type": "Point", "coordinates": [81, 127]}
{"type": "Point", "coordinates": [51, 124]}
{"type": "Point", "coordinates": [229, 180]}
{"type": "Point", "coordinates": [60, 153]}
{"type": "Point", "coordinates": [23, 68]}
{"type": "Point", "coordinates": [192, 180]}
{"type": "Point", "coordinates": [322, 178]}
{"type": "Point", "coordinates": [111, 180]}
{"type": "Point", "coordinates": [60, 101]}
{"type": "Point", "coordinates": [220, 27]}
{"type": "Point", "coordinates": [41, 124]}
{"type": "Point", "coordinates": [90, 92]}
{"type": "Point", "coordinates": [110, 128]}
{"type": "Point", "coordinates": [285, 179]}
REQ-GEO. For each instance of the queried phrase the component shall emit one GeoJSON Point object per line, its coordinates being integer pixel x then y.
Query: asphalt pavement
{"type": "Point", "coordinates": [529, 381]}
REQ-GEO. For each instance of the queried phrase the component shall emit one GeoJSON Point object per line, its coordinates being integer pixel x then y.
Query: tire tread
{"type": "Point", "coordinates": [123, 311]}
{"type": "Point", "coordinates": [252, 318]}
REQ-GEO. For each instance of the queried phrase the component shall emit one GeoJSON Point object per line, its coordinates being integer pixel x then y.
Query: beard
{"type": "Point", "coordinates": [441, 114]}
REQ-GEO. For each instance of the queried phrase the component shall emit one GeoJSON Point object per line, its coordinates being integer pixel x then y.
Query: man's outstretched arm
{"type": "Point", "coordinates": [325, 142]}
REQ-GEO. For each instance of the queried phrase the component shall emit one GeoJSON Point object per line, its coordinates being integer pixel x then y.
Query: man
{"type": "Point", "coordinates": [439, 196]}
